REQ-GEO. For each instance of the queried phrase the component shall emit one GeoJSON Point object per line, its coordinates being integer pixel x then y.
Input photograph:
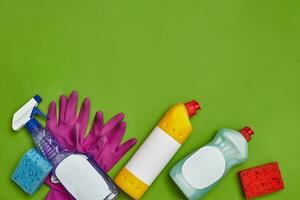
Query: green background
{"type": "Point", "coordinates": [239, 58]}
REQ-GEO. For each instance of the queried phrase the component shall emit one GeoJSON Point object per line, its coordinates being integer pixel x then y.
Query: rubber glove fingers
{"type": "Point", "coordinates": [119, 152]}
{"type": "Point", "coordinates": [125, 147]}
{"type": "Point", "coordinates": [63, 130]}
{"type": "Point", "coordinates": [83, 120]}
{"type": "Point", "coordinates": [57, 131]}
{"type": "Point", "coordinates": [115, 138]}
{"type": "Point", "coordinates": [109, 157]}
{"type": "Point", "coordinates": [111, 124]}
{"type": "Point", "coordinates": [103, 141]}
{"type": "Point", "coordinates": [77, 135]}
{"type": "Point", "coordinates": [63, 100]}
{"type": "Point", "coordinates": [71, 108]}
{"type": "Point", "coordinates": [51, 116]}
{"type": "Point", "coordinates": [99, 146]}
{"type": "Point", "coordinates": [98, 124]}
{"type": "Point", "coordinates": [95, 131]}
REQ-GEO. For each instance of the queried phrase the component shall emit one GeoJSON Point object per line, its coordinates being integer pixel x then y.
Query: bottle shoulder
{"type": "Point", "coordinates": [176, 123]}
{"type": "Point", "coordinates": [232, 144]}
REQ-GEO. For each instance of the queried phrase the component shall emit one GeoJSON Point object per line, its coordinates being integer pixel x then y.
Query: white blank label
{"type": "Point", "coordinates": [81, 179]}
{"type": "Point", "coordinates": [204, 167]}
{"type": "Point", "coordinates": [153, 155]}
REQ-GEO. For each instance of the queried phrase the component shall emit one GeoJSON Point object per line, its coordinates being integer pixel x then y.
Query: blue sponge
{"type": "Point", "coordinates": [31, 171]}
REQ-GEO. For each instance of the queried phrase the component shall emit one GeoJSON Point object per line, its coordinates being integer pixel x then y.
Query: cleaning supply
{"type": "Point", "coordinates": [156, 151]}
{"type": "Point", "coordinates": [103, 141]}
{"type": "Point", "coordinates": [78, 173]}
{"type": "Point", "coordinates": [31, 171]}
{"type": "Point", "coordinates": [200, 171]}
{"type": "Point", "coordinates": [261, 180]}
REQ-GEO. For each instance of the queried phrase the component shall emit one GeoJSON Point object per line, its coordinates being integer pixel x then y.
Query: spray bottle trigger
{"type": "Point", "coordinates": [37, 111]}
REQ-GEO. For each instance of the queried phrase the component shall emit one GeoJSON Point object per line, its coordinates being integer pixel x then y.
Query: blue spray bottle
{"type": "Point", "coordinates": [78, 173]}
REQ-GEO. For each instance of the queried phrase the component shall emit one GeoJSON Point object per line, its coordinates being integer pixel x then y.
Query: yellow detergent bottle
{"type": "Point", "coordinates": [157, 150]}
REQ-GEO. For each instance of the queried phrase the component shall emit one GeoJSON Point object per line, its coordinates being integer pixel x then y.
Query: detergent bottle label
{"type": "Point", "coordinates": [204, 167]}
{"type": "Point", "coordinates": [153, 155]}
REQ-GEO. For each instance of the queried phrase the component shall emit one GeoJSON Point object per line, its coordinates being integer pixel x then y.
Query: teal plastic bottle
{"type": "Point", "coordinates": [201, 170]}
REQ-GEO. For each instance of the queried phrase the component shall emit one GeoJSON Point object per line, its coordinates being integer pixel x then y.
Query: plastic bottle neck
{"type": "Point", "coordinates": [32, 125]}
{"type": "Point", "coordinates": [247, 132]}
{"type": "Point", "coordinates": [46, 143]}
{"type": "Point", "coordinates": [192, 107]}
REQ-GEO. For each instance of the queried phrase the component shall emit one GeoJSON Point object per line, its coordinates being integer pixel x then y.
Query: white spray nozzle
{"type": "Point", "coordinates": [25, 113]}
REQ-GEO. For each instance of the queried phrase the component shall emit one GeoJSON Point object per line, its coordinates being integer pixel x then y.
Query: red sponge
{"type": "Point", "coordinates": [261, 180]}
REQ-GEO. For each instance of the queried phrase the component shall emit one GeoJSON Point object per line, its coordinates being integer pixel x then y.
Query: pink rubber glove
{"type": "Point", "coordinates": [63, 128]}
{"type": "Point", "coordinates": [103, 141]}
